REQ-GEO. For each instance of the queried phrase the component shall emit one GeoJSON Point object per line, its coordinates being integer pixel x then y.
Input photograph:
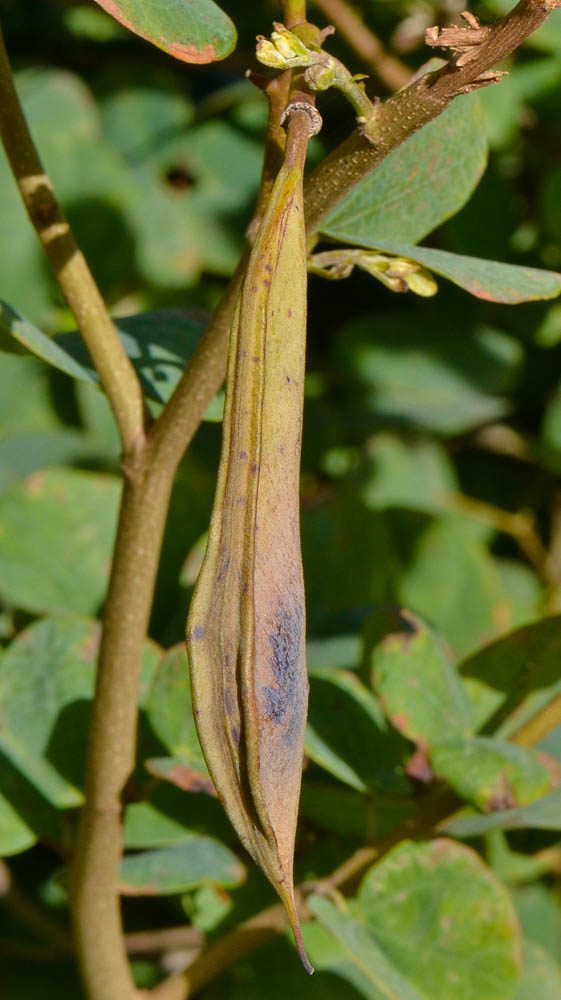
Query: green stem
{"type": "Point", "coordinates": [116, 372]}
{"type": "Point", "coordinates": [294, 12]}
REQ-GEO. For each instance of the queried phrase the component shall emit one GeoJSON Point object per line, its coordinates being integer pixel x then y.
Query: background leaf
{"type": "Point", "coordinates": [362, 752]}
{"type": "Point", "coordinates": [431, 907]}
{"type": "Point", "coordinates": [381, 978]}
{"type": "Point", "coordinates": [46, 685]}
{"type": "Point", "coordinates": [545, 814]}
{"type": "Point", "coordinates": [419, 689]}
{"type": "Point", "coordinates": [198, 861]}
{"type": "Point", "coordinates": [541, 975]}
{"type": "Point", "coordinates": [62, 511]}
{"type": "Point", "coordinates": [493, 774]}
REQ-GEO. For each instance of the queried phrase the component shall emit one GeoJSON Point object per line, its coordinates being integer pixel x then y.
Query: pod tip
{"type": "Point", "coordinates": [290, 905]}
{"type": "Point", "coordinates": [301, 949]}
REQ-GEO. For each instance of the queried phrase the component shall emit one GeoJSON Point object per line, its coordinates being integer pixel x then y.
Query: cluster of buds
{"type": "Point", "coordinates": [285, 50]}
{"type": "Point", "coordinates": [400, 274]}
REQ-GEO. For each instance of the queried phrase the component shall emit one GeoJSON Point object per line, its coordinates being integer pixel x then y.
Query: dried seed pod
{"type": "Point", "coordinates": [246, 626]}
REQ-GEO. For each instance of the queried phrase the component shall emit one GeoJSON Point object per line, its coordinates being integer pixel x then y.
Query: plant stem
{"type": "Point", "coordinates": [388, 70]}
{"type": "Point", "coordinates": [116, 372]}
{"type": "Point", "coordinates": [95, 868]}
{"type": "Point", "coordinates": [294, 12]}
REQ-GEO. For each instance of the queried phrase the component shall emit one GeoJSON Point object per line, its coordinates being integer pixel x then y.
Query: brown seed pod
{"type": "Point", "coordinates": [246, 626]}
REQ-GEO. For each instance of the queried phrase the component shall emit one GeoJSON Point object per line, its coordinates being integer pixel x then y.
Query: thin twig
{"type": "Point", "coordinates": [116, 372]}
{"type": "Point", "coordinates": [520, 526]}
{"type": "Point", "coordinates": [391, 72]}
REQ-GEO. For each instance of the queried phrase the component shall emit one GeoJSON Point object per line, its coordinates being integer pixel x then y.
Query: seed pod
{"type": "Point", "coordinates": [246, 626]}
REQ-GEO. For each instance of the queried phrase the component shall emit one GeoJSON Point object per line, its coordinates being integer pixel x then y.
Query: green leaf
{"type": "Point", "coordinates": [159, 344]}
{"type": "Point", "coordinates": [453, 582]}
{"type": "Point", "coordinates": [423, 377]}
{"type": "Point", "coordinates": [46, 685]}
{"type": "Point", "coordinates": [444, 920]}
{"type": "Point", "coordinates": [544, 814]}
{"type": "Point", "coordinates": [335, 653]}
{"type": "Point", "coordinates": [539, 912]}
{"type": "Point", "coordinates": [179, 869]}
{"type": "Point", "coordinates": [503, 109]}
{"type": "Point", "coordinates": [403, 472]}
{"type": "Point", "coordinates": [195, 31]}
{"type": "Point", "coordinates": [170, 817]}
{"type": "Point", "coordinates": [420, 184]}
{"type": "Point", "coordinates": [181, 231]}
{"type": "Point", "coordinates": [25, 815]}
{"type": "Point", "coordinates": [512, 866]}
{"type": "Point", "coordinates": [18, 335]}
{"type": "Point", "coordinates": [170, 713]}
{"type": "Point", "coordinates": [91, 182]}
{"type": "Point", "coordinates": [273, 969]}
{"type": "Point", "coordinates": [348, 736]}
{"type": "Point", "coordinates": [56, 538]}
{"type": "Point", "coordinates": [384, 980]}
{"type": "Point", "coordinates": [509, 284]}
{"type": "Point", "coordinates": [493, 774]}
{"type": "Point", "coordinates": [541, 975]}
{"type": "Point", "coordinates": [419, 689]}
{"type": "Point", "coordinates": [336, 809]}
{"type": "Point", "coordinates": [519, 671]}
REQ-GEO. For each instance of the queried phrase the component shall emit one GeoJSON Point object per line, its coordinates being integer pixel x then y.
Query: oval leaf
{"type": "Point", "coordinates": [419, 185]}
{"type": "Point", "coordinates": [195, 31]}
{"type": "Point", "coordinates": [444, 920]}
{"type": "Point", "coordinates": [46, 685]}
{"type": "Point", "coordinates": [419, 689]}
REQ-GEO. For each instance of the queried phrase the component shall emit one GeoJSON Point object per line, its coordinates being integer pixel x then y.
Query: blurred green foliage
{"type": "Point", "coordinates": [429, 424]}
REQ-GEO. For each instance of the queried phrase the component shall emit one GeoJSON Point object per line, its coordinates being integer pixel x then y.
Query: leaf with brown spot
{"type": "Point", "coordinates": [246, 626]}
{"type": "Point", "coordinates": [493, 774]}
{"type": "Point", "coordinates": [195, 31]}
